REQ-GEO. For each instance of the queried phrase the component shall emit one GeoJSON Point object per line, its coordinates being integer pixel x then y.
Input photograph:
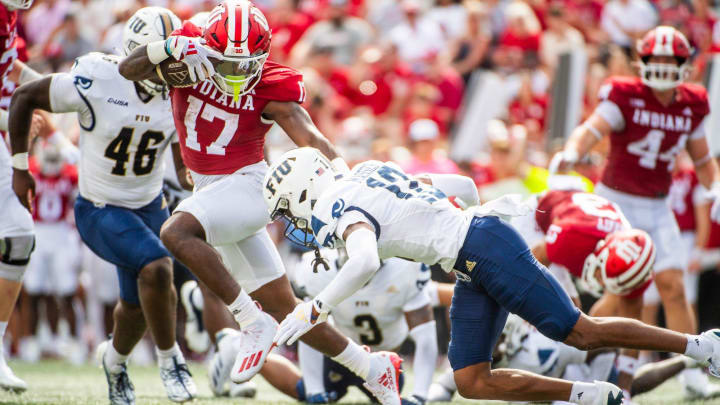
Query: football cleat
{"type": "Point", "coordinates": [196, 336]}
{"type": "Point", "coordinates": [247, 389]}
{"type": "Point", "coordinates": [120, 390]}
{"type": "Point", "coordinates": [178, 382]}
{"type": "Point", "coordinates": [228, 343]}
{"type": "Point", "coordinates": [384, 377]}
{"type": "Point", "coordinates": [255, 344]}
{"type": "Point", "coordinates": [713, 361]}
{"type": "Point", "coordinates": [8, 380]}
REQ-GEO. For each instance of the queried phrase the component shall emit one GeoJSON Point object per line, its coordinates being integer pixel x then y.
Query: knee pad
{"type": "Point", "coordinates": [14, 256]}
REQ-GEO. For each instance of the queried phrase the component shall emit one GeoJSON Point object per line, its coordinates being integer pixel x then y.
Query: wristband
{"type": "Point", "coordinates": [27, 74]}
{"type": "Point", "coordinates": [595, 132]}
{"type": "Point", "coordinates": [322, 309]}
{"type": "Point", "coordinates": [20, 161]}
{"type": "Point", "coordinates": [156, 52]}
{"type": "Point", "coordinates": [340, 165]}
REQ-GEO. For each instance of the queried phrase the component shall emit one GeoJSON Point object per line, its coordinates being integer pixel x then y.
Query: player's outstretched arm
{"type": "Point", "coordinates": [582, 139]}
{"type": "Point", "coordinates": [422, 331]}
{"type": "Point", "coordinates": [138, 65]}
{"type": "Point", "coordinates": [363, 261]}
{"type": "Point", "coordinates": [296, 122]}
{"type": "Point", "coordinates": [454, 185]}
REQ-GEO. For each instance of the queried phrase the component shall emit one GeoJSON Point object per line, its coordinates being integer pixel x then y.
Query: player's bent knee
{"type": "Point", "coordinates": [15, 254]}
{"type": "Point", "coordinates": [178, 228]}
{"type": "Point", "coordinates": [157, 274]}
{"type": "Point", "coordinates": [474, 383]}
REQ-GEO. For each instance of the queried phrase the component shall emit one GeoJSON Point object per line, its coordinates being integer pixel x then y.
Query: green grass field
{"type": "Point", "coordinates": [56, 383]}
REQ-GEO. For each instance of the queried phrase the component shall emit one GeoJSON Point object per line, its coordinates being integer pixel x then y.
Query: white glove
{"type": "Point", "coordinates": [193, 53]}
{"type": "Point", "coordinates": [715, 195]}
{"type": "Point", "coordinates": [299, 322]}
{"type": "Point", "coordinates": [563, 161]}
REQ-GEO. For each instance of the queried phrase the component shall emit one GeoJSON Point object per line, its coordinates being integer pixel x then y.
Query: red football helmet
{"type": "Point", "coordinates": [625, 260]}
{"type": "Point", "coordinates": [238, 30]}
{"type": "Point", "coordinates": [664, 41]}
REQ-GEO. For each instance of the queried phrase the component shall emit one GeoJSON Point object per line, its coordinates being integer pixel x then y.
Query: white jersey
{"type": "Point", "coordinates": [5, 166]}
{"type": "Point", "coordinates": [123, 138]}
{"type": "Point", "coordinates": [375, 314]}
{"type": "Point", "coordinates": [412, 220]}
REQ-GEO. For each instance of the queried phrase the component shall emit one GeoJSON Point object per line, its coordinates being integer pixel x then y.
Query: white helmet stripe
{"type": "Point", "coordinates": [664, 37]}
{"type": "Point", "coordinates": [639, 262]}
{"type": "Point", "coordinates": [245, 28]}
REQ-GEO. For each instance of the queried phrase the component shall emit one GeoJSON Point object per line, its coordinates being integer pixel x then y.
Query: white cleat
{"type": "Point", "coordinates": [713, 362]}
{"type": "Point", "coordinates": [439, 393]}
{"type": "Point", "coordinates": [247, 389]}
{"type": "Point", "coordinates": [196, 336]}
{"type": "Point", "coordinates": [256, 343]}
{"type": "Point", "coordinates": [696, 385]}
{"type": "Point", "coordinates": [120, 390]}
{"type": "Point", "coordinates": [383, 378]}
{"type": "Point", "coordinates": [8, 380]}
{"type": "Point", "coordinates": [228, 344]}
{"type": "Point", "coordinates": [609, 394]}
{"type": "Point", "coordinates": [178, 381]}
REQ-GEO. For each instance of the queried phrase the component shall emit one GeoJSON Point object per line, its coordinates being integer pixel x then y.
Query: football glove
{"type": "Point", "coordinates": [194, 54]}
{"type": "Point", "coordinates": [300, 321]}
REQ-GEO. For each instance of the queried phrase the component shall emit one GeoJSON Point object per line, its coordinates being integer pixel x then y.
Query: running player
{"type": "Point", "coordinates": [126, 127]}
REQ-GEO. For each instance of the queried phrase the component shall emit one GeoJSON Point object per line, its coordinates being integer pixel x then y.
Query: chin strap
{"type": "Point", "coordinates": [319, 261]}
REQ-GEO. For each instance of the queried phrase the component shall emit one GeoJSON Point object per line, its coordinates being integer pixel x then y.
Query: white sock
{"type": "Point", "coordinates": [447, 380]}
{"type": "Point", "coordinates": [694, 377]}
{"type": "Point", "coordinates": [698, 348]}
{"type": "Point", "coordinates": [583, 393]}
{"type": "Point", "coordinates": [165, 357]}
{"type": "Point", "coordinates": [3, 328]}
{"type": "Point", "coordinates": [244, 309]}
{"type": "Point", "coordinates": [355, 358]}
{"type": "Point", "coordinates": [196, 298]}
{"type": "Point", "coordinates": [113, 360]}
{"type": "Point", "coordinates": [313, 376]}
{"type": "Point", "coordinates": [626, 364]}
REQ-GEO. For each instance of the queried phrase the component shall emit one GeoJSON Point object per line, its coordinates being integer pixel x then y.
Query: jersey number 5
{"type": "Point", "coordinates": [145, 156]}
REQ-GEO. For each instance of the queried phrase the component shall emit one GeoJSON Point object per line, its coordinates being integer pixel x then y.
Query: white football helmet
{"type": "Point", "coordinates": [514, 333]}
{"type": "Point", "coordinates": [293, 185]}
{"type": "Point", "coordinates": [17, 4]}
{"type": "Point", "coordinates": [149, 24]}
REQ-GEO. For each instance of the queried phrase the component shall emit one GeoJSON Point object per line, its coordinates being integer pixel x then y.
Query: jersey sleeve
{"type": "Point", "coordinates": [609, 107]}
{"type": "Point", "coordinates": [417, 297]}
{"type": "Point", "coordinates": [281, 83]}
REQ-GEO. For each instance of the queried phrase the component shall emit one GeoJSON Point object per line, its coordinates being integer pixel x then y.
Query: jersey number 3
{"type": "Point", "coordinates": [369, 323]}
{"type": "Point", "coordinates": [145, 156]}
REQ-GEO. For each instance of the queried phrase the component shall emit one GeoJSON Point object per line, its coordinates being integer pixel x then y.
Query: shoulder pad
{"type": "Point", "coordinates": [280, 83]}
{"type": "Point", "coordinates": [696, 96]}
{"type": "Point", "coordinates": [96, 65]}
{"type": "Point", "coordinates": [619, 89]}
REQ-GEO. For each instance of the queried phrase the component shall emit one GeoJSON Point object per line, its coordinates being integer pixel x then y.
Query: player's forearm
{"type": "Point", "coordinates": [362, 263]}
{"type": "Point", "coordinates": [708, 173]}
{"type": "Point", "coordinates": [25, 100]}
{"type": "Point", "coordinates": [139, 64]}
{"type": "Point", "coordinates": [426, 352]}
{"type": "Point", "coordinates": [457, 186]}
{"type": "Point", "coordinates": [22, 73]}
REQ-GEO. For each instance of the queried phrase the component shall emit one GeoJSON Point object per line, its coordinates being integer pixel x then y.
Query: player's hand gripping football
{"type": "Point", "coordinates": [297, 323]}
{"type": "Point", "coordinates": [193, 53]}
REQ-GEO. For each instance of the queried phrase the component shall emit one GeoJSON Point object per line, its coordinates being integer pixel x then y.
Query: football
{"type": "Point", "coordinates": [174, 73]}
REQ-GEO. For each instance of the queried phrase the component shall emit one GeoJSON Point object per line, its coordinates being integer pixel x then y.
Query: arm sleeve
{"type": "Point", "coordinates": [426, 352]}
{"type": "Point", "coordinates": [611, 113]}
{"type": "Point", "coordinates": [699, 132]}
{"type": "Point", "coordinates": [458, 186]}
{"type": "Point", "coordinates": [363, 261]}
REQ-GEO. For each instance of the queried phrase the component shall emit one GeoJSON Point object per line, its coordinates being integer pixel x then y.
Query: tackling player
{"type": "Point", "coordinates": [16, 228]}
{"type": "Point", "coordinates": [649, 120]}
{"type": "Point", "coordinates": [391, 307]}
{"type": "Point", "coordinates": [219, 232]}
{"type": "Point", "coordinates": [379, 212]}
{"type": "Point", "coordinates": [126, 127]}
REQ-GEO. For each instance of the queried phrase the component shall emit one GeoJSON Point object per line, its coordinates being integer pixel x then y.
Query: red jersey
{"type": "Point", "coordinates": [574, 222]}
{"type": "Point", "coordinates": [54, 194]}
{"type": "Point", "coordinates": [682, 198]}
{"type": "Point", "coordinates": [218, 135]}
{"type": "Point", "coordinates": [648, 136]}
